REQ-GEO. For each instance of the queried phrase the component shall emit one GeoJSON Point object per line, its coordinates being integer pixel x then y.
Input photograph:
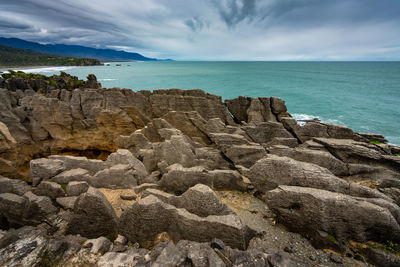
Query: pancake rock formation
{"type": "Point", "coordinates": [112, 177]}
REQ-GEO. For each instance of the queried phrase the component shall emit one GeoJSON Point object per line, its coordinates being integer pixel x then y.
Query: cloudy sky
{"type": "Point", "coordinates": [214, 29]}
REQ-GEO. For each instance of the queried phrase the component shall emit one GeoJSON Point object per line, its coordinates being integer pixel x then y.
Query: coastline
{"type": "Point", "coordinates": [36, 68]}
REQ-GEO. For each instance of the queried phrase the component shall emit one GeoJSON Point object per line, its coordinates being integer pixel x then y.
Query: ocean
{"type": "Point", "coordinates": [364, 96]}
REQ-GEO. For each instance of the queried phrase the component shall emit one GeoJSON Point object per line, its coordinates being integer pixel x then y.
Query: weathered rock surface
{"type": "Point", "coordinates": [76, 188]}
{"type": "Point", "coordinates": [72, 175]}
{"type": "Point", "coordinates": [150, 216]}
{"type": "Point", "coordinates": [13, 186]}
{"type": "Point", "coordinates": [42, 169]}
{"type": "Point", "coordinates": [50, 189]}
{"type": "Point", "coordinates": [199, 199]}
{"type": "Point", "coordinates": [93, 216]}
{"type": "Point", "coordinates": [308, 210]}
{"type": "Point", "coordinates": [38, 208]}
{"type": "Point", "coordinates": [67, 202]}
{"type": "Point", "coordinates": [318, 157]}
{"type": "Point", "coordinates": [321, 179]}
{"type": "Point", "coordinates": [313, 129]}
{"type": "Point", "coordinates": [12, 207]}
{"type": "Point", "coordinates": [272, 171]}
{"type": "Point", "coordinates": [179, 179]}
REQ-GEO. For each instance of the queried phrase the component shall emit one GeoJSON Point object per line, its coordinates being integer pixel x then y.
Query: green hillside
{"type": "Point", "coordinates": [15, 57]}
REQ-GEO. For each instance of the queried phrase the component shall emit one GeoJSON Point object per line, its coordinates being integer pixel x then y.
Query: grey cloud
{"type": "Point", "coordinates": [195, 24]}
{"type": "Point", "coordinates": [9, 25]}
{"type": "Point", "coordinates": [213, 29]}
{"type": "Point", "coordinates": [235, 11]}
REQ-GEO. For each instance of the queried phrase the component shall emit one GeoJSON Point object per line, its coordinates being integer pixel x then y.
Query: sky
{"type": "Point", "coordinates": [214, 29]}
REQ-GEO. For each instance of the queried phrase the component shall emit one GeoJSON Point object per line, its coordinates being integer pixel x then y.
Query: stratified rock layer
{"type": "Point", "coordinates": [158, 157]}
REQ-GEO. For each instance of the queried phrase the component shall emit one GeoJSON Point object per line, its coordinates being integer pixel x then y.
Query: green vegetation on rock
{"type": "Point", "coordinates": [15, 57]}
{"type": "Point", "coordinates": [19, 80]}
{"type": "Point", "coordinates": [392, 247]}
{"type": "Point", "coordinates": [375, 142]}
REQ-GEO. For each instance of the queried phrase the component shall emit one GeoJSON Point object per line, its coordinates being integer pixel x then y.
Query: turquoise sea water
{"type": "Point", "coordinates": [362, 95]}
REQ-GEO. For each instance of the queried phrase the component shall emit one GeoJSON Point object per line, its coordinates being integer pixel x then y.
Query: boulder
{"type": "Point", "coordinates": [179, 179]}
{"type": "Point", "coordinates": [308, 210]}
{"type": "Point", "coordinates": [12, 208]}
{"type": "Point", "coordinates": [43, 169]}
{"type": "Point", "coordinates": [38, 208]}
{"type": "Point", "coordinates": [76, 188]}
{"type": "Point", "coordinates": [93, 216]}
{"type": "Point", "coordinates": [13, 186]}
{"type": "Point", "coordinates": [150, 216]}
{"type": "Point", "coordinates": [117, 176]}
{"type": "Point", "coordinates": [199, 199]}
{"type": "Point", "coordinates": [177, 149]}
{"type": "Point", "coordinates": [125, 157]}
{"type": "Point", "coordinates": [272, 171]}
{"type": "Point", "coordinates": [50, 189]}
{"type": "Point", "coordinates": [228, 180]}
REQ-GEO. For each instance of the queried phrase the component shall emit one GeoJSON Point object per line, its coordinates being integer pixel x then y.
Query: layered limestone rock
{"type": "Point", "coordinates": [166, 160]}
{"type": "Point", "coordinates": [310, 210]}
{"type": "Point", "coordinates": [87, 120]}
{"type": "Point", "coordinates": [93, 216]}
{"type": "Point", "coordinates": [150, 216]}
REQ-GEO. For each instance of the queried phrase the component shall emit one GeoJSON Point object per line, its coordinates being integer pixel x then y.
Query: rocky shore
{"type": "Point", "coordinates": [112, 177]}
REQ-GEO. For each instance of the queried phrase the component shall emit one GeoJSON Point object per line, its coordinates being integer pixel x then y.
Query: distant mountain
{"type": "Point", "coordinates": [15, 57]}
{"type": "Point", "coordinates": [75, 50]}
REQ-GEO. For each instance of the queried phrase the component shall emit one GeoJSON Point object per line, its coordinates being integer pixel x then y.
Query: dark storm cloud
{"type": "Point", "coordinates": [214, 29]}
{"type": "Point", "coordinates": [234, 11]}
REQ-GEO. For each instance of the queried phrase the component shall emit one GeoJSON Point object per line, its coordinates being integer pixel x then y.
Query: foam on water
{"type": "Point", "coordinates": [107, 79]}
{"type": "Point", "coordinates": [302, 118]}
{"type": "Point", "coordinates": [45, 69]}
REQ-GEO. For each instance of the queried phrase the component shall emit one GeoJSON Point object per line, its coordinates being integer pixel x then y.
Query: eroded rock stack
{"type": "Point", "coordinates": [182, 178]}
